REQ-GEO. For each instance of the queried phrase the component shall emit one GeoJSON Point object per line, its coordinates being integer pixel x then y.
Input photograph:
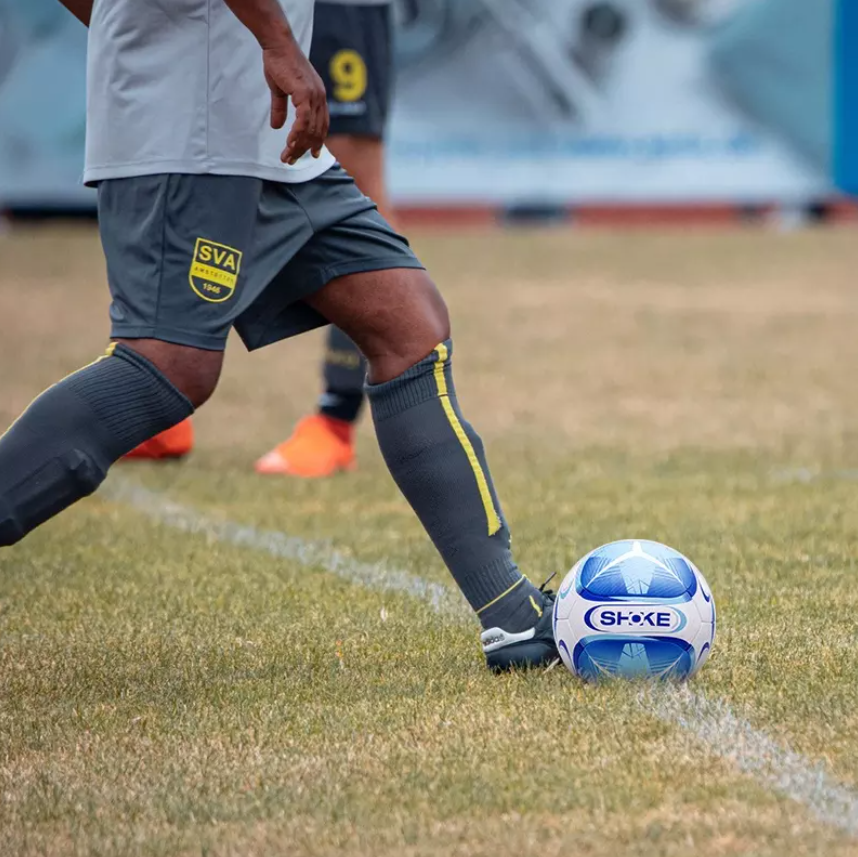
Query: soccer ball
{"type": "Point", "coordinates": [634, 609]}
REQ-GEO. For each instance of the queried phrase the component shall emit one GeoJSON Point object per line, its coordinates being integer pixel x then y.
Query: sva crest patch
{"type": "Point", "coordinates": [214, 271]}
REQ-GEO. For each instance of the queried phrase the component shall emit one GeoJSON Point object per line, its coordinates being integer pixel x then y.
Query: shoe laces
{"type": "Point", "coordinates": [550, 594]}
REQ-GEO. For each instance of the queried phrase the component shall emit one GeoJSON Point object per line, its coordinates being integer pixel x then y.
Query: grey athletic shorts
{"type": "Point", "coordinates": [191, 256]}
{"type": "Point", "coordinates": [352, 51]}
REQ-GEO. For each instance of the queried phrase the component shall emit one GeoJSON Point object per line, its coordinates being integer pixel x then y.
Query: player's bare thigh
{"type": "Point", "coordinates": [396, 317]}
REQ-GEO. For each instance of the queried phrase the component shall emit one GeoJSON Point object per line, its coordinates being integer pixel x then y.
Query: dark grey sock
{"type": "Point", "coordinates": [60, 448]}
{"type": "Point", "coordinates": [439, 464]}
{"type": "Point", "coordinates": [345, 375]}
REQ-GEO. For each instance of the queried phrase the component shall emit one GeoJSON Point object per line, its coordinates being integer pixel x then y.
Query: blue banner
{"type": "Point", "coordinates": [649, 101]}
{"type": "Point", "coordinates": [42, 105]}
{"type": "Point", "coordinates": [846, 98]}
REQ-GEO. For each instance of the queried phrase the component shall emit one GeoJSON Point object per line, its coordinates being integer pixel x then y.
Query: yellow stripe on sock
{"type": "Point", "coordinates": [492, 517]}
{"type": "Point", "coordinates": [109, 353]}
{"type": "Point", "coordinates": [502, 595]}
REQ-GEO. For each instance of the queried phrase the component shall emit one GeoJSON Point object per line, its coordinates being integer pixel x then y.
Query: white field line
{"type": "Point", "coordinates": [808, 474]}
{"type": "Point", "coordinates": [716, 726]}
{"type": "Point", "coordinates": [710, 723]}
{"type": "Point", "coordinates": [376, 576]}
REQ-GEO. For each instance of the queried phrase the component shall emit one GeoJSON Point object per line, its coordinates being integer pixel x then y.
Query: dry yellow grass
{"type": "Point", "coordinates": [650, 342]}
{"type": "Point", "coordinates": [166, 694]}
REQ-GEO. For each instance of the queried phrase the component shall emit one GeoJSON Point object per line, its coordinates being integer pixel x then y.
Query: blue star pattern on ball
{"type": "Point", "coordinates": [634, 609]}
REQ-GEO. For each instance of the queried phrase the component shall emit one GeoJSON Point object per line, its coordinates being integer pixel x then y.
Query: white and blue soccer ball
{"type": "Point", "coordinates": [634, 609]}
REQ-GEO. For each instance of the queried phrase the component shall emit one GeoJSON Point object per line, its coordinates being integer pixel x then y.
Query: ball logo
{"type": "Point", "coordinates": [635, 619]}
{"type": "Point", "coordinates": [564, 591]}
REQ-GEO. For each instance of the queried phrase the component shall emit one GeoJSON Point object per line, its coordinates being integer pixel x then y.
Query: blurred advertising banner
{"type": "Point", "coordinates": [42, 105]}
{"type": "Point", "coordinates": [846, 98]}
{"type": "Point", "coordinates": [613, 100]}
{"type": "Point", "coordinates": [511, 101]}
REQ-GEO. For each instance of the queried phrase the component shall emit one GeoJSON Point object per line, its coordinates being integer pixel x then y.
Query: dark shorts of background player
{"type": "Point", "coordinates": [352, 51]}
{"type": "Point", "coordinates": [189, 257]}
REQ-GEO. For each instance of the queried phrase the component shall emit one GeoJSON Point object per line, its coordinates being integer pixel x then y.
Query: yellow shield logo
{"type": "Point", "coordinates": [214, 271]}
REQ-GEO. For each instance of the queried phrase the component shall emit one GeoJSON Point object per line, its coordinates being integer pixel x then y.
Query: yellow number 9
{"type": "Point", "coordinates": [348, 72]}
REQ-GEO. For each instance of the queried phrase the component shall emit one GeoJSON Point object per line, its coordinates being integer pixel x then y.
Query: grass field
{"type": "Point", "coordinates": [177, 677]}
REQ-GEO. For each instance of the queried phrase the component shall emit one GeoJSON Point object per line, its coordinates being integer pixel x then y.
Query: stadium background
{"type": "Point", "coordinates": [520, 103]}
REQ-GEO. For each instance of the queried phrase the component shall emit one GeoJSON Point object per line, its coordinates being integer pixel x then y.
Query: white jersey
{"type": "Point", "coordinates": [176, 86]}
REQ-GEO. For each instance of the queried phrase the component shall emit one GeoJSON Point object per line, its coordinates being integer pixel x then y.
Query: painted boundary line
{"type": "Point", "coordinates": [712, 724]}
{"type": "Point", "coordinates": [716, 726]}
{"type": "Point", "coordinates": [807, 475]}
{"type": "Point", "coordinates": [377, 576]}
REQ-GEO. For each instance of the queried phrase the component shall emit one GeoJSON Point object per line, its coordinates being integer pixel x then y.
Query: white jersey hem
{"type": "Point", "coordinates": [287, 175]}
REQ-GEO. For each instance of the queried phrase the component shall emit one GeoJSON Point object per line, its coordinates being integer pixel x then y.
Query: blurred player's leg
{"type": "Point", "coordinates": [352, 53]}
{"type": "Point", "coordinates": [323, 443]}
{"type": "Point", "coordinates": [363, 157]}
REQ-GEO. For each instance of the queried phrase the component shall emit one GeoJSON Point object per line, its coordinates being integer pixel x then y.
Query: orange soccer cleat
{"type": "Point", "coordinates": [175, 442]}
{"type": "Point", "coordinates": [320, 446]}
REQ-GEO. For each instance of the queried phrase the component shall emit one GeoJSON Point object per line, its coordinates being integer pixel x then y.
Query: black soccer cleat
{"type": "Point", "coordinates": [534, 647]}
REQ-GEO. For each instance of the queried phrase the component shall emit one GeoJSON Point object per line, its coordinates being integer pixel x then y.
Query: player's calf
{"type": "Point", "coordinates": [400, 322]}
{"type": "Point", "coordinates": [60, 449]}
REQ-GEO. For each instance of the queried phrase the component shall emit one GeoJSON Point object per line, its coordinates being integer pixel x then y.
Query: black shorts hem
{"type": "Point", "coordinates": [365, 266]}
{"type": "Point", "coordinates": [358, 126]}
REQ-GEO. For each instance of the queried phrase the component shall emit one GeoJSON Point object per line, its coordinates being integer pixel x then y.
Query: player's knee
{"type": "Point", "coordinates": [197, 381]}
{"type": "Point", "coordinates": [395, 316]}
{"type": "Point", "coordinates": [428, 323]}
{"type": "Point", "coordinates": [436, 328]}
{"type": "Point", "coordinates": [420, 322]}
{"type": "Point", "coordinates": [193, 371]}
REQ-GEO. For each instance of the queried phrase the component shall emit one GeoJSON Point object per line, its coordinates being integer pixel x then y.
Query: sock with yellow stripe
{"type": "Point", "coordinates": [60, 448]}
{"type": "Point", "coordinates": [439, 463]}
